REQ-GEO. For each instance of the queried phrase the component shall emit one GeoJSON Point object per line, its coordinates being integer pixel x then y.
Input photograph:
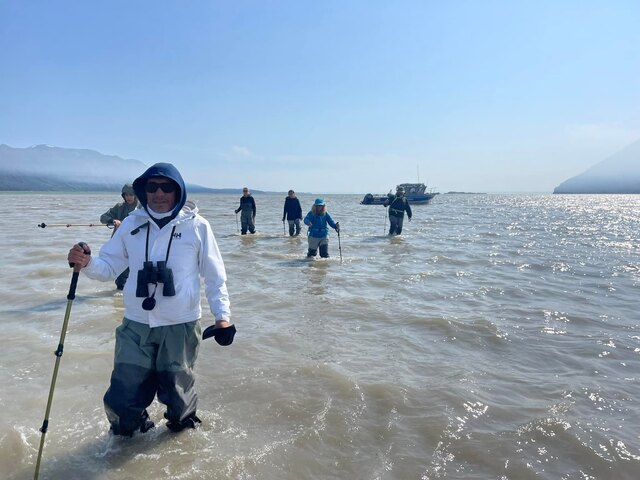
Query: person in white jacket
{"type": "Point", "coordinates": [169, 247]}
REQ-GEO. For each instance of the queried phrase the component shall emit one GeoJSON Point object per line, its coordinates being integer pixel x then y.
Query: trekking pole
{"type": "Point", "coordinates": [58, 353]}
{"type": "Point", "coordinates": [385, 221]}
{"type": "Point", "coordinates": [45, 225]}
{"type": "Point", "coordinates": [284, 231]}
{"type": "Point", "coordinates": [339, 246]}
{"type": "Point", "coordinates": [237, 227]}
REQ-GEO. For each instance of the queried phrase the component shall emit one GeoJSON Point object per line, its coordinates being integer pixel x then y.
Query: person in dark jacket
{"type": "Point", "coordinates": [293, 213]}
{"type": "Point", "coordinates": [115, 215]}
{"type": "Point", "coordinates": [248, 209]}
{"type": "Point", "coordinates": [119, 211]}
{"type": "Point", "coordinates": [397, 204]}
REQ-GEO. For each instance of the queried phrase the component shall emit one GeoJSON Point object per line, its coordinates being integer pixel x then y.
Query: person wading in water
{"type": "Point", "coordinates": [397, 204]}
{"type": "Point", "coordinates": [115, 215]}
{"type": "Point", "coordinates": [172, 248]}
{"type": "Point", "coordinates": [318, 220]}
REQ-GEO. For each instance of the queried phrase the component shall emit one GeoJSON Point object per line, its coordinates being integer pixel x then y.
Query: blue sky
{"type": "Point", "coordinates": [333, 96]}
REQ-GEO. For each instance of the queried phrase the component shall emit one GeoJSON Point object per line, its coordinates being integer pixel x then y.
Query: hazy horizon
{"type": "Point", "coordinates": [341, 97]}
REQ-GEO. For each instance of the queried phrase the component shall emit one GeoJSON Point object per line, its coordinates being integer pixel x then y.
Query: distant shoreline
{"type": "Point", "coordinates": [465, 193]}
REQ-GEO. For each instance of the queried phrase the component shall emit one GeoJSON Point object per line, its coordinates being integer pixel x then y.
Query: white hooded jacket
{"type": "Point", "coordinates": [193, 254]}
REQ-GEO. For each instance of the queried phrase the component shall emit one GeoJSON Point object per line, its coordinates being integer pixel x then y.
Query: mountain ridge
{"type": "Point", "coordinates": [616, 174]}
{"type": "Point", "coordinates": [49, 168]}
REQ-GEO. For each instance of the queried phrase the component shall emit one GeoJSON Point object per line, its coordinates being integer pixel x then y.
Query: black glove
{"type": "Point", "coordinates": [224, 336]}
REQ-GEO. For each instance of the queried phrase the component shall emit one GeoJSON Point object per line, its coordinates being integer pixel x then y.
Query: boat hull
{"type": "Point", "coordinates": [370, 199]}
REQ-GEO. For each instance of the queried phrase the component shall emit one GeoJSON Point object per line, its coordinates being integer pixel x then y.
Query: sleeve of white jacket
{"type": "Point", "coordinates": [214, 274]}
{"type": "Point", "coordinates": [110, 262]}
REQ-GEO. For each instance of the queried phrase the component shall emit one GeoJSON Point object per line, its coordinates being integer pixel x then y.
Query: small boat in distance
{"type": "Point", "coordinates": [414, 192]}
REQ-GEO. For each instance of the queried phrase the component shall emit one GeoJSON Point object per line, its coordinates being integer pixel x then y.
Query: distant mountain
{"type": "Point", "coordinates": [43, 167]}
{"type": "Point", "coordinates": [48, 168]}
{"type": "Point", "coordinates": [620, 173]}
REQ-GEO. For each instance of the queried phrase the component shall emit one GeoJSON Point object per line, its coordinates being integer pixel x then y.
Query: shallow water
{"type": "Point", "coordinates": [498, 337]}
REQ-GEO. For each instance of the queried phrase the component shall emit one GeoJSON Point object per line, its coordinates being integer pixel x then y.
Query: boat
{"type": "Point", "coordinates": [415, 193]}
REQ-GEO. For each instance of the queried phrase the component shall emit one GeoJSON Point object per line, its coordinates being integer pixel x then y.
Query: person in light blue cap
{"type": "Point", "coordinates": [318, 236]}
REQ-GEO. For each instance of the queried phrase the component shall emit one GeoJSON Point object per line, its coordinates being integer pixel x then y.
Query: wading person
{"type": "Point", "coordinates": [115, 215]}
{"type": "Point", "coordinates": [248, 209]}
{"type": "Point", "coordinates": [397, 204]}
{"type": "Point", "coordinates": [169, 246]}
{"type": "Point", "coordinates": [318, 220]}
{"type": "Point", "coordinates": [293, 213]}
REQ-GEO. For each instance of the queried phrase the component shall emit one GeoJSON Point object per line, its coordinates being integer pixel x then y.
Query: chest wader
{"type": "Point", "coordinates": [153, 361]}
{"type": "Point", "coordinates": [313, 247]}
{"type": "Point", "coordinates": [149, 362]}
{"type": "Point", "coordinates": [246, 221]}
{"type": "Point", "coordinates": [395, 224]}
{"type": "Point", "coordinates": [294, 224]}
{"type": "Point", "coordinates": [318, 243]}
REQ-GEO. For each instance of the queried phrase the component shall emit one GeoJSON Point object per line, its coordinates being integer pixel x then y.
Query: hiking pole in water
{"type": "Point", "coordinates": [45, 225]}
{"type": "Point", "coordinates": [339, 246]}
{"type": "Point", "coordinates": [237, 227]}
{"type": "Point", "coordinates": [385, 221]}
{"type": "Point", "coordinates": [284, 232]}
{"type": "Point", "coordinates": [58, 354]}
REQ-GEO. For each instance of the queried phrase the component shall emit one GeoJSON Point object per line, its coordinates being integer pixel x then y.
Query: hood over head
{"type": "Point", "coordinates": [166, 170]}
{"type": "Point", "coordinates": [128, 188]}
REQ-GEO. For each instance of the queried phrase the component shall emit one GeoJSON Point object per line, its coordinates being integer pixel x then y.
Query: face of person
{"type": "Point", "coordinates": [160, 200]}
{"type": "Point", "coordinates": [292, 194]}
{"type": "Point", "coordinates": [245, 192]}
{"type": "Point", "coordinates": [129, 198]}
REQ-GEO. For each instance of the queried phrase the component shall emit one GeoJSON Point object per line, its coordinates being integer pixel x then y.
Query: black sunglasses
{"type": "Point", "coordinates": [152, 187]}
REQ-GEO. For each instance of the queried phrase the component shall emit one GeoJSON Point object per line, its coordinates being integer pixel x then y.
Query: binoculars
{"type": "Point", "coordinates": [155, 274]}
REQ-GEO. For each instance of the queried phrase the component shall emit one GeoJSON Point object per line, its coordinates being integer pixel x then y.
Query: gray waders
{"type": "Point", "coordinates": [149, 362]}
{"type": "Point", "coordinates": [316, 243]}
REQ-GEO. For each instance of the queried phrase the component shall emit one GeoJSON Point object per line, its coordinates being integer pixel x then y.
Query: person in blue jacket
{"type": "Point", "coordinates": [317, 220]}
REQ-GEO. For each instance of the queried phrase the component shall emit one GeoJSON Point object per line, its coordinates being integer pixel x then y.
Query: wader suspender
{"type": "Point", "coordinates": [395, 209]}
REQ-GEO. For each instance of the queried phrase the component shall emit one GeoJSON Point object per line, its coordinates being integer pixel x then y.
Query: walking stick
{"type": "Point", "coordinates": [339, 246]}
{"type": "Point", "coordinates": [45, 225]}
{"type": "Point", "coordinates": [237, 227]}
{"type": "Point", "coordinates": [284, 231]}
{"type": "Point", "coordinates": [385, 221]}
{"type": "Point", "coordinates": [58, 353]}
